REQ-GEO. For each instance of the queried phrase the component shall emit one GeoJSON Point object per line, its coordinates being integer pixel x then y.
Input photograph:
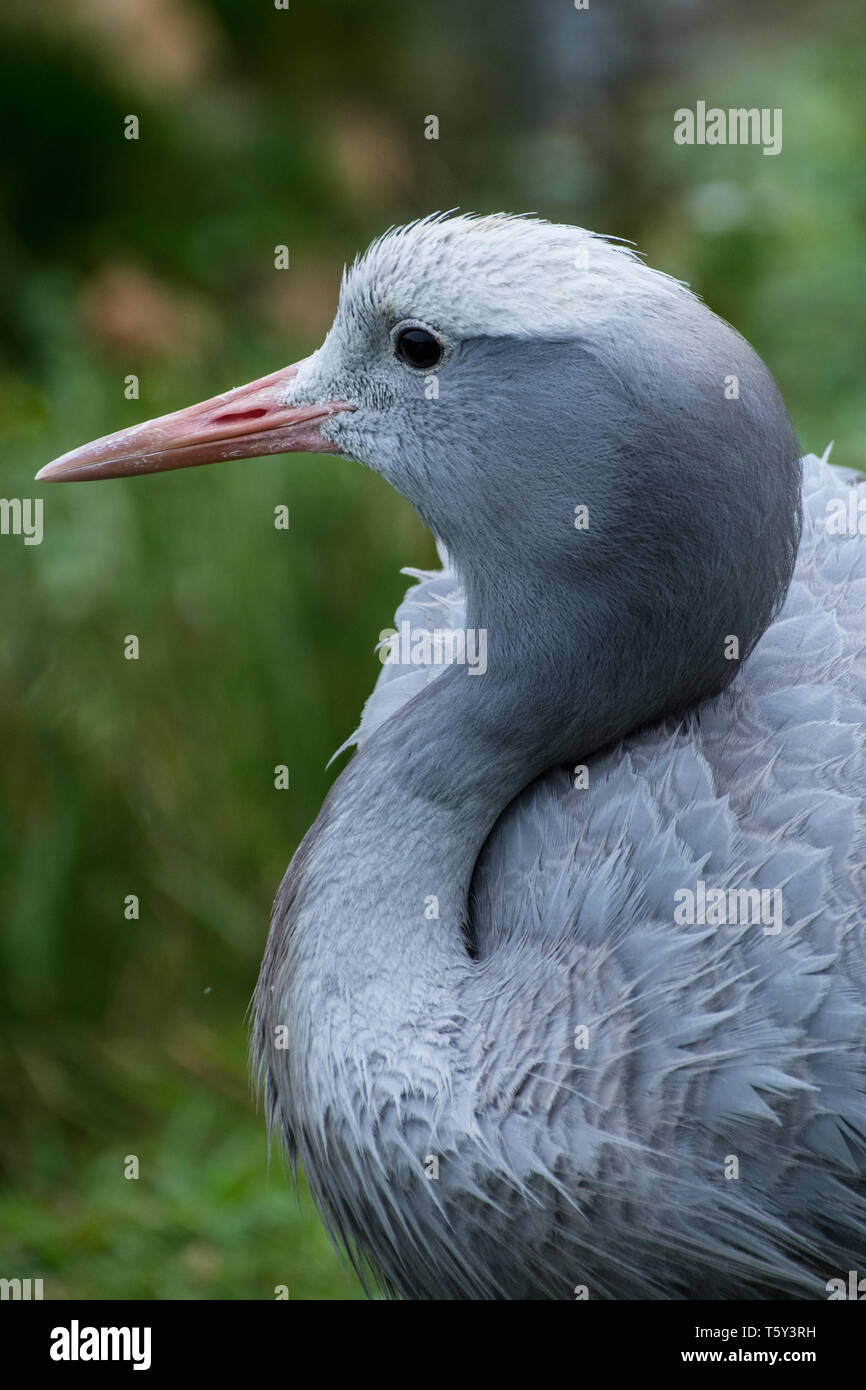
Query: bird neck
{"type": "Point", "coordinates": [369, 998]}
{"type": "Point", "coordinates": [382, 880]}
{"type": "Point", "coordinates": [406, 822]}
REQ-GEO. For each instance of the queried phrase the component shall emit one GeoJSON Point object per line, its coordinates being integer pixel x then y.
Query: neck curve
{"type": "Point", "coordinates": [407, 819]}
{"type": "Point", "coordinates": [368, 930]}
{"type": "Point", "coordinates": [373, 1021]}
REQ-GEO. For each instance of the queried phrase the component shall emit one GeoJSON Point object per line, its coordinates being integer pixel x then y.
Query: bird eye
{"type": "Point", "coordinates": [418, 347]}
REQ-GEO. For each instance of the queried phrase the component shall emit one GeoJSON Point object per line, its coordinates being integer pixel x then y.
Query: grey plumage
{"type": "Point", "coordinates": [453, 1039]}
{"type": "Point", "coordinates": [566, 987]}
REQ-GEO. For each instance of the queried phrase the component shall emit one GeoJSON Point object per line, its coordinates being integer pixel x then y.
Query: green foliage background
{"type": "Point", "coordinates": [305, 127]}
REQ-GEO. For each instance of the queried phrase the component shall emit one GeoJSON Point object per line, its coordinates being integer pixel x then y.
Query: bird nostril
{"type": "Point", "coordinates": [232, 416]}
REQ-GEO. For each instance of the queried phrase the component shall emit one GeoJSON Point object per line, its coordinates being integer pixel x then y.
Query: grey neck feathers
{"type": "Point", "coordinates": [402, 828]}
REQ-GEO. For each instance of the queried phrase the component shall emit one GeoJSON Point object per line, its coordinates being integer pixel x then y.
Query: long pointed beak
{"type": "Point", "coordinates": [244, 423]}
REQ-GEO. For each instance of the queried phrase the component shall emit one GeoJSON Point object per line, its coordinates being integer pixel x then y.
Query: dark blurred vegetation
{"type": "Point", "coordinates": [305, 127]}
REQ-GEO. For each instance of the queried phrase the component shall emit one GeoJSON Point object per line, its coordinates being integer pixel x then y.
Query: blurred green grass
{"type": "Point", "coordinates": [203, 1220]}
{"type": "Point", "coordinates": [155, 777]}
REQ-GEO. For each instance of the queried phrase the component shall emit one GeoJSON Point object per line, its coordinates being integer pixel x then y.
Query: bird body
{"type": "Point", "coordinates": [571, 966]}
{"type": "Point", "coordinates": [604, 1160]}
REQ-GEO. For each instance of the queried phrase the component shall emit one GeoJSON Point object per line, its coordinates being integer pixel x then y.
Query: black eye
{"type": "Point", "coordinates": [418, 347]}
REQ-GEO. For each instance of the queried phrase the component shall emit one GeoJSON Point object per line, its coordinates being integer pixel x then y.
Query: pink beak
{"type": "Point", "coordinates": [244, 423]}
